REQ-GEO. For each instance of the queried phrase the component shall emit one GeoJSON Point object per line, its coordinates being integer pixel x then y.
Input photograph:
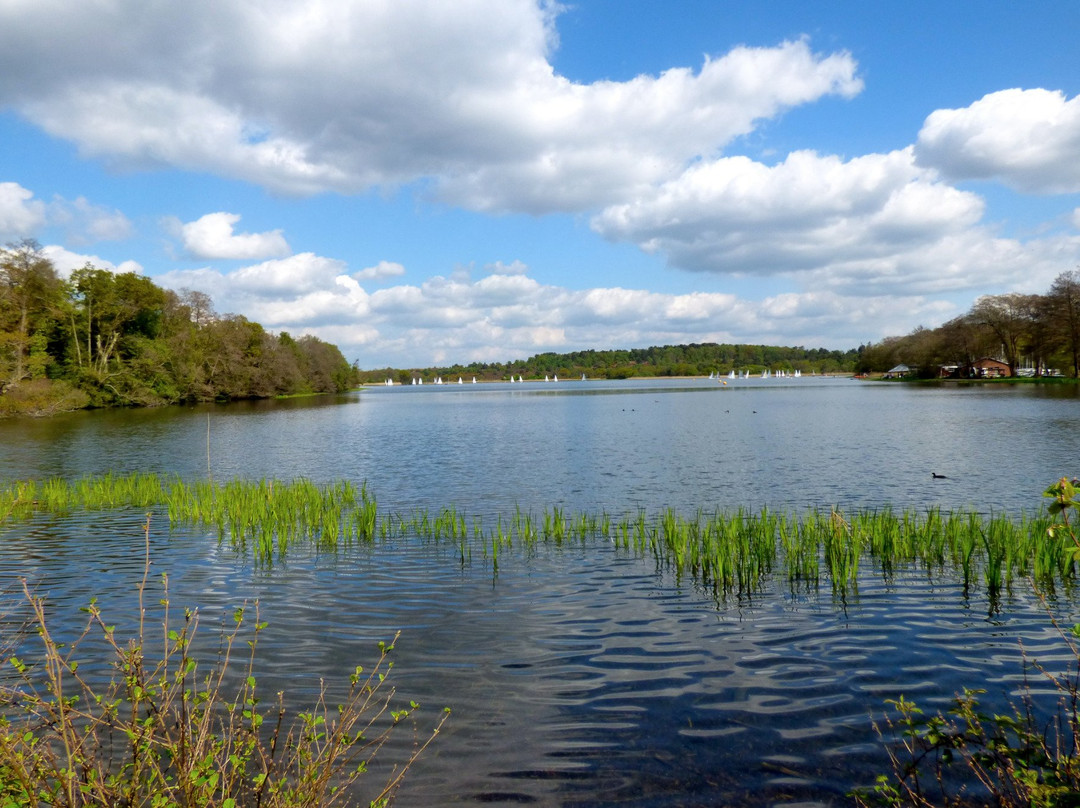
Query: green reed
{"type": "Point", "coordinates": [732, 552]}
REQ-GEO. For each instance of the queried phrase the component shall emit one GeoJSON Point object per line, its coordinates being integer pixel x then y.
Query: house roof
{"type": "Point", "coordinates": [900, 369]}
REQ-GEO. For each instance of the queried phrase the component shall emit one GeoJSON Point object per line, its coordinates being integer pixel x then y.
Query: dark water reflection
{"type": "Point", "coordinates": [585, 675]}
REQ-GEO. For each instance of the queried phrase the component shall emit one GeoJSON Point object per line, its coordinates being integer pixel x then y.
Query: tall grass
{"type": "Point", "coordinates": [1028, 755]}
{"type": "Point", "coordinates": [733, 552]}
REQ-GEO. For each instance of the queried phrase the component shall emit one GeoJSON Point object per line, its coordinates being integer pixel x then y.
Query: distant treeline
{"type": "Point", "coordinates": [102, 339]}
{"type": "Point", "coordinates": [1036, 333]}
{"type": "Point", "coordinates": [666, 360]}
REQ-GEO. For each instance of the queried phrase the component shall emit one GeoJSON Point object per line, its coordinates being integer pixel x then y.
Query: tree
{"type": "Point", "coordinates": [31, 294]}
{"type": "Point", "coordinates": [1064, 306]}
{"type": "Point", "coordinates": [963, 340]}
{"type": "Point", "coordinates": [1042, 336]}
{"type": "Point", "coordinates": [1009, 318]}
{"type": "Point", "coordinates": [325, 369]}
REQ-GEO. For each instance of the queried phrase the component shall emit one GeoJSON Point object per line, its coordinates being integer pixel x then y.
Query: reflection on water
{"type": "Point", "coordinates": [583, 675]}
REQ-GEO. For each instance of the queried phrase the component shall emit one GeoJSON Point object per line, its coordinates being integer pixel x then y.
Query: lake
{"type": "Point", "coordinates": [582, 674]}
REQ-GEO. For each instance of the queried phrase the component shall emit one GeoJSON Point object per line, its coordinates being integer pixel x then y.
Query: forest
{"type": "Point", "coordinates": [666, 360]}
{"type": "Point", "coordinates": [1035, 335]}
{"type": "Point", "coordinates": [104, 339]}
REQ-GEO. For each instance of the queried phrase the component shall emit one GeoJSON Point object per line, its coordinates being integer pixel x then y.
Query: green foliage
{"type": "Point", "coordinates": [121, 340]}
{"type": "Point", "coordinates": [171, 728]}
{"type": "Point", "coordinates": [41, 397]}
{"type": "Point", "coordinates": [666, 360]}
{"type": "Point", "coordinates": [31, 303]}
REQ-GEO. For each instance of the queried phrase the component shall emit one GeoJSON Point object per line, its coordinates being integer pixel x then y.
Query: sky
{"type": "Point", "coordinates": [426, 182]}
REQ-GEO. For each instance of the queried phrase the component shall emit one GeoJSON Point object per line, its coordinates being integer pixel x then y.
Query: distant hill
{"type": "Point", "coordinates": [664, 360]}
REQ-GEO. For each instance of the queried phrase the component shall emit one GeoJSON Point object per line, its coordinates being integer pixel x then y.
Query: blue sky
{"type": "Point", "coordinates": [429, 182]}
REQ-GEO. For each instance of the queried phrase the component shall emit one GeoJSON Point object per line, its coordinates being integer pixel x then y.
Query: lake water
{"type": "Point", "coordinates": [584, 675]}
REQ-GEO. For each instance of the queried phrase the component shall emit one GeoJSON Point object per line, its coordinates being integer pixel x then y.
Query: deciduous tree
{"type": "Point", "coordinates": [1008, 316]}
{"type": "Point", "coordinates": [1064, 305]}
{"type": "Point", "coordinates": [31, 295]}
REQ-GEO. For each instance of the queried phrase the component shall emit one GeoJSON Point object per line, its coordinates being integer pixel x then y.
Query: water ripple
{"type": "Point", "coordinates": [584, 676]}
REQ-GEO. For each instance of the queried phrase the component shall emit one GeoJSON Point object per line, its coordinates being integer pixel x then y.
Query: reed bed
{"type": "Point", "coordinates": [731, 552]}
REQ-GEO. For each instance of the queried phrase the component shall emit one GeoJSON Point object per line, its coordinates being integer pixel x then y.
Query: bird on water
{"type": "Point", "coordinates": [937, 476]}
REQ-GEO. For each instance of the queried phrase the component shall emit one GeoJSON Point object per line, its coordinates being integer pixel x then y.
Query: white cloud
{"type": "Point", "coordinates": [866, 226]}
{"type": "Point", "coordinates": [20, 214]}
{"type": "Point", "coordinates": [382, 270]}
{"type": "Point", "coordinates": [503, 316]}
{"type": "Point", "coordinates": [1029, 139]}
{"type": "Point", "coordinates": [87, 223]}
{"type": "Point", "coordinates": [295, 275]}
{"type": "Point", "coordinates": [347, 96]}
{"type": "Point", "coordinates": [513, 268]}
{"type": "Point", "coordinates": [211, 236]}
{"type": "Point", "coordinates": [66, 261]}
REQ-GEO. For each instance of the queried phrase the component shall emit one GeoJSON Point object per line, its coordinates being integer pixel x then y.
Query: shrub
{"type": "Point", "coordinates": [41, 397]}
{"type": "Point", "coordinates": [168, 729]}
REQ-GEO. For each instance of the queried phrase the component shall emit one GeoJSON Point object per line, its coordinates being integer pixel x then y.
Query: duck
{"type": "Point", "coordinates": [937, 476]}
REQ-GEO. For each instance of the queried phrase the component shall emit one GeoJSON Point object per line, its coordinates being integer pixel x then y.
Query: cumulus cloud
{"type": "Point", "coordinates": [87, 223]}
{"type": "Point", "coordinates": [503, 316]}
{"type": "Point", "coordinates": [20, 214]}
{"type": "Point", "coordinates": [1028, 139]}
{"type": "Point", "coordinates": [65, 261]}
{"type": "Point", "coordinates": [347, 96]}
{"type": "Point", "coordinates": [513, 268]}
{"type": "Point", "coordinates": [382, 270]}
{"type": "Point", "coordinates": [211, 236]}
{"type": "Point", "coordinates": [865, 226]}
{"type": "Point", "coordinates": [296, 275]}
